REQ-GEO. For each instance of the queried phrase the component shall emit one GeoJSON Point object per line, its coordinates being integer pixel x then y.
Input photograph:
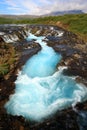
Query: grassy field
{"type": "Point", "coordinates": [76, 23]}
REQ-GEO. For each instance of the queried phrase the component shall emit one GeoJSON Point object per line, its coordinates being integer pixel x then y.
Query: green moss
{"type": "Point", "coordinates": [7, 58]}
{"type": "Point", "coordinates": [4, 69]}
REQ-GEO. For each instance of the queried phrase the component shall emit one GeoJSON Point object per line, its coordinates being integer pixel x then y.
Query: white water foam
{"type": "Point", "coordinates": [41, 89]}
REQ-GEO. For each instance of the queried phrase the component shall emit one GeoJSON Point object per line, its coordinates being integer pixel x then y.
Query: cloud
{"type": "Point", "coordinates": [38, 7]}
{"type": "Point", "coordinates": [11, 3]}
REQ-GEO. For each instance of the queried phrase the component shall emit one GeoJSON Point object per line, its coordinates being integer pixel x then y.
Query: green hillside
{"type": "Point", "coordinates": [76, 23]}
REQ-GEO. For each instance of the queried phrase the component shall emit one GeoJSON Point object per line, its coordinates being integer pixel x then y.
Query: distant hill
{"type": "Point", "coordinates": [36, 16]}
{"type": "Point", "coordinates": [64, 12]}
{"type": "Point", "coordinates": [18, 16]}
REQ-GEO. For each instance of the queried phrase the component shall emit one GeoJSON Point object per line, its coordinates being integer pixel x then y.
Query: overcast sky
{"type": "Point", "coordinates": [40, 7]}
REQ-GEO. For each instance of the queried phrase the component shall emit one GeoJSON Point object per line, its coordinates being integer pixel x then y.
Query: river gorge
{"type": "Point", "coordinates": [50, 86]}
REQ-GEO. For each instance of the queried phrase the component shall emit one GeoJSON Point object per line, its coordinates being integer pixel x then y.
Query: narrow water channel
{"type": "Point", "coordinates": [42, 88]}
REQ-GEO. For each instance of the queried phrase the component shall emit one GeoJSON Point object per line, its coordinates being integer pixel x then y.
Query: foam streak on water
{"type": "Point", "coordinates": [41, 89]}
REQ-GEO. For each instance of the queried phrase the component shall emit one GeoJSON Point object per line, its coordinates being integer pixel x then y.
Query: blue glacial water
{"type": "Point", "coordinates": [41, 88]}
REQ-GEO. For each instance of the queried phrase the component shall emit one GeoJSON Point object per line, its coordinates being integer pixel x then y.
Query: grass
{"type": "Point", "coordinates": [7, 58]}
{"type": "Point", "coordinates": [4, 69]}
{"type": "Point", "coordinates": [76, 23]}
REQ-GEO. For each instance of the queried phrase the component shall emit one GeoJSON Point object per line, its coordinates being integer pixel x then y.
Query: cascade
{"type": "Point", "coordinates": [41, 88]}
{"type": "Point", "coordinates": [10, 38]}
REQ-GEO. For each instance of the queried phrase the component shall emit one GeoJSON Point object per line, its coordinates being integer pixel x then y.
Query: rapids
{"type": "Point", "coordinates": [41, 88]}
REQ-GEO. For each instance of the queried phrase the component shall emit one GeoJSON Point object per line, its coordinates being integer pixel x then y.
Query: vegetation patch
{"type": "Point", "coordinates": [7, 58]}
{"type": "Point", "coordinates": [76, 23]}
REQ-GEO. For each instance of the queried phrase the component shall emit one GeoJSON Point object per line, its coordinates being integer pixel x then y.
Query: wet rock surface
{"type": "Point", "coordinates": [74, 53]}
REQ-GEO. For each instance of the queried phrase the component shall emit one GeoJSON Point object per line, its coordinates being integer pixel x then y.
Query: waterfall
{"type": "Point", "coordinates": [41, 88]}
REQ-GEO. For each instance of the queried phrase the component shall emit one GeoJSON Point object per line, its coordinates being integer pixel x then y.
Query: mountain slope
{"type": "Point", "coordinates": [65, 12]}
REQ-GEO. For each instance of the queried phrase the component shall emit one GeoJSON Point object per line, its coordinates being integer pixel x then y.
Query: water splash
{"type": "Point", "coordinates": [44, 63]}
{"type": "Point", "coordinates": [41, 89]}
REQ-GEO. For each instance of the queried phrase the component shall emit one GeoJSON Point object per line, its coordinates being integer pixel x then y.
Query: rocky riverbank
{"type": "Point", "coordinates": [74, 53]}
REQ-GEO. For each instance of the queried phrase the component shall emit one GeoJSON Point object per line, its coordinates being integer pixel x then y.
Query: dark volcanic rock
{"type": "Point", "coordinates": [74, 53]}
{"type": "Point", "coordinates": [29, 50]}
